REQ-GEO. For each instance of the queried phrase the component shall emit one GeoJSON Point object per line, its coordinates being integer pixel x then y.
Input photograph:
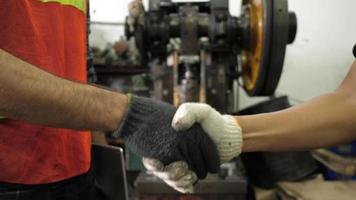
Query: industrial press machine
{"type": "Point", "coordinates": [199, 52]}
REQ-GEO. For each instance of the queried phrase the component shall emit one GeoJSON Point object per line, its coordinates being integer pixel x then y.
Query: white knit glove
{"type": "Point", "coordinates": [222, 129]}
{"type": "Point", "coordinates": [177, 175]}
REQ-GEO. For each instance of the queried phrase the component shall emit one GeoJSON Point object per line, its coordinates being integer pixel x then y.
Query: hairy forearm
{"type": "Point", "coordinates": [321, 122]}
{"type": "Point", "coordinates": [31, 94]}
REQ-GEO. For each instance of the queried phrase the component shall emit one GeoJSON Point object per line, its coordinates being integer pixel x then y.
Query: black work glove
{"type": "Point", "coordinates": [147, 130]}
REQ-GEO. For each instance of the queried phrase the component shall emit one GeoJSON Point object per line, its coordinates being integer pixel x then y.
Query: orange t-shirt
{"type": "Point", "coordinates": [50, 34]}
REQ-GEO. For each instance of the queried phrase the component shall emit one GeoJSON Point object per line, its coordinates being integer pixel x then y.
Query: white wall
{"type": "Point", "coordinates": [111, 12]}
{"type": "Point", "coordinates": [315, 63]}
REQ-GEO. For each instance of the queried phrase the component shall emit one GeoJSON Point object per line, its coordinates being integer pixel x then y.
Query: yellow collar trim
{"type": "Point", "coordinates": [79, 4]}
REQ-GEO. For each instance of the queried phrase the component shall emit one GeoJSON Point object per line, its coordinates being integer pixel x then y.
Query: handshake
{"type": "Point", "coordinates": [180, 146]}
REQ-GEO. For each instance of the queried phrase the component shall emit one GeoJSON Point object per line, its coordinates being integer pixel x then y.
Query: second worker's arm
{"type": "Point", "coordinates": [324, 121]}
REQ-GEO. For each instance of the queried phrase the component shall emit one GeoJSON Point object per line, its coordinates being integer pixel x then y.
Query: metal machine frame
{"type": "Point", "coordinates": [214, 48]}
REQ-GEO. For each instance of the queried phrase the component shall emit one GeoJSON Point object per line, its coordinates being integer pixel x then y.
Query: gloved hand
{"type": "Point", "coordinates": [177, 174]}
{"type": "Point", "coordinates": [147, 131]}
{"type": "Point", "coordinates": [222, 129]}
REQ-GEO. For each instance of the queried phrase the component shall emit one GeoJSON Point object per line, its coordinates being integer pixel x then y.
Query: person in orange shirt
{"type": "Point", "coordinates": [49, 108]}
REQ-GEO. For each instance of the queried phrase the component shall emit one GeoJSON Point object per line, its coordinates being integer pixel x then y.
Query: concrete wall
{"type": "Point", "coordinates": [315, 63]}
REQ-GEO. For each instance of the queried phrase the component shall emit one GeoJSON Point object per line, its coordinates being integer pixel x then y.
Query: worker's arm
{"type": "Point", "coordinates": [34, 95]}
{"type": "Point", "coordinates": [321, 122]}
{"type": "Point", "coordinates": [324, 121]}
{"type": "Point", "coordinates": [30, 94]}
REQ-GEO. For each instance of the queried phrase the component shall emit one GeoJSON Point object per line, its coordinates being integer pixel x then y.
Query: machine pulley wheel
{"type": "Point", "coordinates": [271, 28]}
